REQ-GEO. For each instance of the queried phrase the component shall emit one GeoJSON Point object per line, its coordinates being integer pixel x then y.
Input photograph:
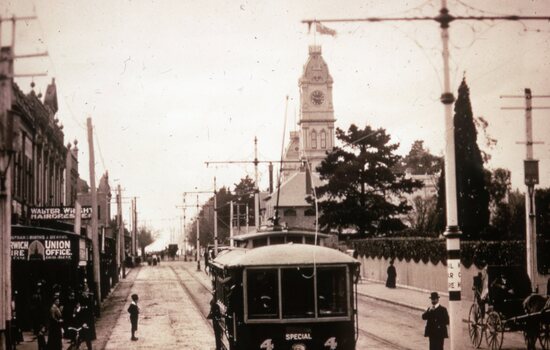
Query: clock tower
{"type": "Point", "coordinates": [316, 109]}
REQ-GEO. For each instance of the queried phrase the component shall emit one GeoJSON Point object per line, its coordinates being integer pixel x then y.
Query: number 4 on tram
{"type": "Point", "coordinates": [286, 296]}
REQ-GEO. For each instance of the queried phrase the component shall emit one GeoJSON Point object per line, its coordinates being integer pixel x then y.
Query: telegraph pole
{"type": "Point", "coordinates": [134, 228]}
{"type": "Point", "coordinates": [7, 58]}
{"type": "Point", "coordinates": [6, 155]}
{"type": "Point", "coordinates": [256, 162]}
{"type": "Point", "coordinates": [215, 219]}
{"type": "Point", "coordinates": [531, 176]}
{"type": "Point", "coordinates": [95, 238]}
{"type": "Point", "coordinates": [452, 231]}
{"type": "Point", "coordinates": [198, 236]}
{"type": "Point", "coordinates": [121, 251]}
{"type": "Point", "coordinates": [231, 243]}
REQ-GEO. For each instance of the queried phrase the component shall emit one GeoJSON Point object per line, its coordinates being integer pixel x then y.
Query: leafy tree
{"type": "Point", "coordinates": [145, 237]}
{"type": "Point", "coordinates": [361, 190]}
{"type": "Point", "coordinates": [472, 194]}
{"type": "Point", "coordinates": [420, 161]}
{"type": "Point", "coordinates": [423, 216]}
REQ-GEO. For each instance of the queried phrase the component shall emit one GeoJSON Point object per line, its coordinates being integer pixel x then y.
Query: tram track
{"type": "Point", "coordinates": [194, 297]}
{"type": "Point", "coordinates": [387, 343]}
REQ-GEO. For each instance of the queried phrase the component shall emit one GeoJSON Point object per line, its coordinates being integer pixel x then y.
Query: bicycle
{"type": "Point", "coordinates": [77, 340]}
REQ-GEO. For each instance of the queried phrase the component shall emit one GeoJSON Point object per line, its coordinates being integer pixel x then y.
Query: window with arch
{"type": "Point", "coordinates": [313, 139]}
{"type": "Point", "coordinates": [323, 139]}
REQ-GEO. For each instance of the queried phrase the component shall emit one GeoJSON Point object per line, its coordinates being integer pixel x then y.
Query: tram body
{"type": "Point", "coordinates": [285, 296]}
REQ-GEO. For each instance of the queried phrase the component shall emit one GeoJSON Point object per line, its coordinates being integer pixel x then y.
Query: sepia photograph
{"type": "Point", "coordinates": [275, 175]}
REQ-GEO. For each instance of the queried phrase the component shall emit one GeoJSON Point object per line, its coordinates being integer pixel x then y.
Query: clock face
{"type": "Point", "coordinates": [317, 97]}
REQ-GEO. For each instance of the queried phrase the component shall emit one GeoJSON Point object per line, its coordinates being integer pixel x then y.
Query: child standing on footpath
{"type": "Point", "coordinates": [133, 309]}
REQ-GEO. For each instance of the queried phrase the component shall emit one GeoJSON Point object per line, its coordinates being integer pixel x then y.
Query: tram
{"type": "Point", "coordinates": [291, 296]}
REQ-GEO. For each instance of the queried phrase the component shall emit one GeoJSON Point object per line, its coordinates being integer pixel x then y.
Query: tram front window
{"type": "Point", "coordinates": [298, 292]}
{"type": "Point", "coordinates": [262, 294]}
{"type": "Point", "coordinates": [331, 292]}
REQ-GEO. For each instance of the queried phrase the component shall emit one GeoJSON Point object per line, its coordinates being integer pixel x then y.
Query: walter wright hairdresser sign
{"type": "Point", "coordinates": [59, 213]}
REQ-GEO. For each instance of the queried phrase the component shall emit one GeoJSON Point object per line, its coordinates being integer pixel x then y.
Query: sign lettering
{"type": "Point", "coordinates": [59, 213]}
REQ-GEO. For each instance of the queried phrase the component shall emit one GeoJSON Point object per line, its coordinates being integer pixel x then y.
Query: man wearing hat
{"type": "Point", "coordinates": [437, 320]}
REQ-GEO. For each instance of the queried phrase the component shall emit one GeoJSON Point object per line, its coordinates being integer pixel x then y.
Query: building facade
{"type": "Point", "coordinates": [309, 144]}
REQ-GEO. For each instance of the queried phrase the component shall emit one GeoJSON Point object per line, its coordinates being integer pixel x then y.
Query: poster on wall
{"type": "Point", "coordinates": [39, 247]}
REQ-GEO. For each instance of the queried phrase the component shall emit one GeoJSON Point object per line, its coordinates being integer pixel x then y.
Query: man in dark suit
{"type": "Point", "coordinates": [133, 309]}
{"type": "Point", "coordinates": [437, 320]}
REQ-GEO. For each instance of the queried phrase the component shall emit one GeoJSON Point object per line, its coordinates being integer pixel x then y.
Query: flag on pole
{"type": "Point", "coordinates": [321, 29]}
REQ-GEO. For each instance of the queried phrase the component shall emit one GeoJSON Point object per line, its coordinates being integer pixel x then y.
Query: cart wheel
{"type": "Point", "coordinates": [544, 336]}
{"type": "Point", "coordinates": [530, 340]}
{"type": "Point", "coordinates": [495, 331]}
{"type": "Point", "coordinates": [475, 325]}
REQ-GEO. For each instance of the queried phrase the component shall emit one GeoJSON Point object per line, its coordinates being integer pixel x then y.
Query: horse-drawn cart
{"type": "Point", "coordinates": [503, 302]}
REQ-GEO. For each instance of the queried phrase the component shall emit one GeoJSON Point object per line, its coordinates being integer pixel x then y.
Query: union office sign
{"type": "Point", "coordinates": [59, 213]}
{"type": "Point", "coordinates": [37, 247]}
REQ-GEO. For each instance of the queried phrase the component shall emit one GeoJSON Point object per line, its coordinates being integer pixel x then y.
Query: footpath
{"type": "Point", "coordinates": [111, 309]}
{"type": "Point", "coordinates": [406, 296]}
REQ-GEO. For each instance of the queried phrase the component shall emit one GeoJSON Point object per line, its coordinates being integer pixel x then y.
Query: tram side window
{"type": "Point", "coordinates": [298, 292]}
{"type": "Point", "coordinates": [260, 242]}
{"type": "Point", "coordinates": [332, 292]}
{"type": "Point", "coordinates": [262, 294]}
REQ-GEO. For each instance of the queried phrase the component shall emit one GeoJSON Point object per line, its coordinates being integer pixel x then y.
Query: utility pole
{"type": "Point", "coordinates": [231, 243]}
{"type": "Point", "coordinates": [531, 176]}
{"type": "Point", "coordinates": [7, 151]}
{"type": "Point", "coordinates": [198, 236]}
{"type": "Point", "coordinates": [184, 207]}
{"type": "Point", "coordinates": [256, 162]}
{"type": "Point", "coordinates": [121, 251]}
{"type": "Point", "coordinates": [452, 231]}
{"type": "Point", "coordinates": [6, 155]}
{"type": "Point", "coordinates": [134, 229]}
{"type": "Point", "coordinates": [95, 238]}
{"type": "Point", "coordinates": [215, 219]}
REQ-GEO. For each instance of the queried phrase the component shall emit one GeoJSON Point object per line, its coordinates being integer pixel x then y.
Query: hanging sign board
{"type": "Point", "coordinates": [38, 247]}
{"type": "Point", "coordinates": [59, 213]}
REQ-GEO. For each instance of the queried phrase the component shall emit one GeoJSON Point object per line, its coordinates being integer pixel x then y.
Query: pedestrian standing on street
{"type": "Point", "coordinates": [392, 274]}
{"type": "Point", "coordinates": [437, 320]}
{"type": "Point", "coordinates": [133, 309]}
{"type": "Point", "coordinates": [206, 261]}
{"type": "Point", "coordinates": [55, 332]}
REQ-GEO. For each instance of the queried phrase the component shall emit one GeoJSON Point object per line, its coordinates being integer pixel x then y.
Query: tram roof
{"type": "Point", "coordinates": [282, 233]}
{"type": "Point", "coordinates": [283, 254]}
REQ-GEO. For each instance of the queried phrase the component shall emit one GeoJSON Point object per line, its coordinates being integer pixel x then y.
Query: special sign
{"type": "Point", "coordinates": [41, 247]}
{"type": "Point", "coordinates": [59, 213]}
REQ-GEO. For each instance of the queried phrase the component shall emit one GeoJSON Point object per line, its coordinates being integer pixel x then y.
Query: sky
{"type": "Point", "coordinates": [172, 84]}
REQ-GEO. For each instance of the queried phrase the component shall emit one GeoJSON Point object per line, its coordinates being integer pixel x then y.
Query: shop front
{"type": "Point", "coordinates": [46, 262]}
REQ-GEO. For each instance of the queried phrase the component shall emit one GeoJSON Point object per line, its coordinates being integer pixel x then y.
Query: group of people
{"type": "Point", "coordinates": [52, 322]}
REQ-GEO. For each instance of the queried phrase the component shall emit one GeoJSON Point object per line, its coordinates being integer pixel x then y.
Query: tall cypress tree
{"type": "Point", "coordinates": [472, 193]}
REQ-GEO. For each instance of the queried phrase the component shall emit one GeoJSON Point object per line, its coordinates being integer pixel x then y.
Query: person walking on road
{"type": "Point", "coordinates": [133, 309]}
{"type": "Point", "coordinates": [437, 319]}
